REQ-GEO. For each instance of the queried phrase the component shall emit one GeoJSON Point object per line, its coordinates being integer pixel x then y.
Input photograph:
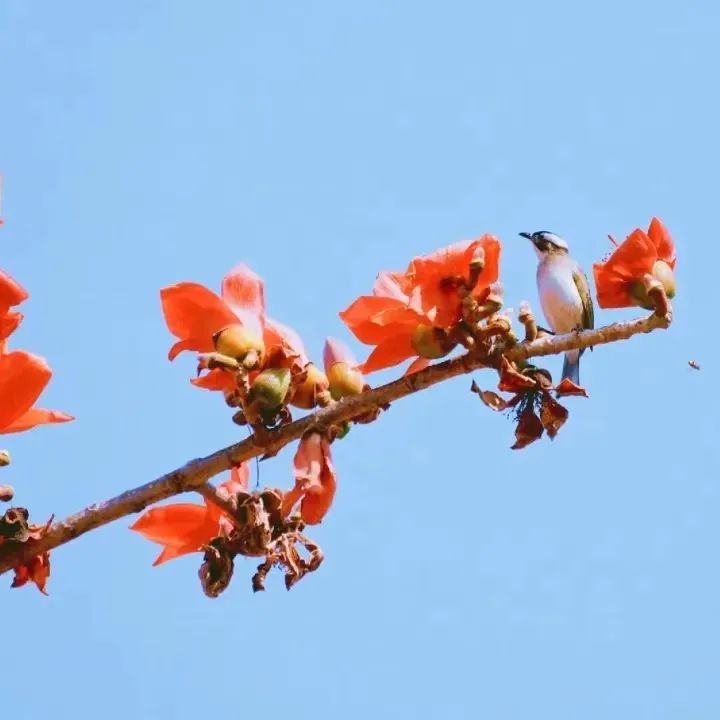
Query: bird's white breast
{"type": "Point", "coordinates": [559, 296]}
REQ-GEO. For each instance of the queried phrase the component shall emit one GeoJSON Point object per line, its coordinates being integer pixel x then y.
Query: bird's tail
{"type": "Point", "coordinates": [571, 367]}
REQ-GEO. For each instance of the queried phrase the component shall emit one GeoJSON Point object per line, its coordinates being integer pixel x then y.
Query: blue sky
{"type": "Point", "coordinates": [147, 143]}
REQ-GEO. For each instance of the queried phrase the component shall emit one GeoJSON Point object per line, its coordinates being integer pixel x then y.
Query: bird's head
{"type": "Point", "coordinates": [546, 243]}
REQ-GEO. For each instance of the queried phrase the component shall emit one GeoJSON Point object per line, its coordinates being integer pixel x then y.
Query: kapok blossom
{"type": "Point", "coordinates": [315, 480]}
{"type": "Point", "coordinates": [642, 259]}
{"type": "Point", "coordinates": [232, 323]}
{"type": "Point", "coordinates": [23, 377]}
{"type": "Point", "coordinates": [184, 528]}
{"type": "Point", "coordinates": [409, 314]}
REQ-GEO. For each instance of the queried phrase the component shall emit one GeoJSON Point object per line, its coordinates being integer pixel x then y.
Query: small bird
{"type": "Point", "coordinates": [564, 293]}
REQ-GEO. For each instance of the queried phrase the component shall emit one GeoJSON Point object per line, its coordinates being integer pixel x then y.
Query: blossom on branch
{"type": "Point", "coordinates": [642, 264]}
{"type": "Point", "coordinates": [315, 480]}
{"type": "Point", "coordinates": [413, 314]}
{"type": "Point", "coordinates": [232, 323]}
{"type": "Point", "coordinates": [184, 528]}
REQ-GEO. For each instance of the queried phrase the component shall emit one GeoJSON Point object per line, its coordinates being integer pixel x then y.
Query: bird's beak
{"type": "Point", "coordinates": [526, 235]}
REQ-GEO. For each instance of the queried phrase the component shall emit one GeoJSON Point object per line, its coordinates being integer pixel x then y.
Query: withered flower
{"type": "Point", "coordinates": [532, 405]}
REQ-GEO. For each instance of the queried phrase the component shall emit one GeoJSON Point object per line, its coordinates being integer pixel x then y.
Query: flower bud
{"type": "Point", "coordinates": [306, 392]}
{"type": "Point", "coordinates": [4, 458]}
{"type": "Point", "coordinates": [269, 389]}
{"type": "Point", "coordinates": [237, 342]}
{"type": "Point", "coordinates": [661, 271]}
{"type": "Point", "coordinates": [431, 343]}
{"type": "Point", "coordinates": [345, 381]}
{"type": "Point", "coordinates": [6, 493]}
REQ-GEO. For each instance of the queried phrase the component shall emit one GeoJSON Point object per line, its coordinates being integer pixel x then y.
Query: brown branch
{"type": "Point", "coordinates": [196, 473]}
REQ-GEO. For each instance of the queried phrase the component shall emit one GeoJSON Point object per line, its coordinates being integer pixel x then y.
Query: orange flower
{"type": "Point", "coordinates": [23, 377]}
{"type": "Point", "coordinates": [386, 320]}
{"type": "Point", "coordinates": [620, 279]}
{"type": "Point", "coordinates": [408, 314]}
{"type": "Point", "coordinates": [315, 480]}
{"type": "Point", "coordinates": [435, 278]}
{"type": "Point", "coordinates": [185, 528]}
{"type": "Point", "coordinates": [196, 315]}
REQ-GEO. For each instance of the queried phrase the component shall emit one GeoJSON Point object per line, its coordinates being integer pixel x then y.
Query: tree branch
{"type": "Point", "coordinates": [196, 473]}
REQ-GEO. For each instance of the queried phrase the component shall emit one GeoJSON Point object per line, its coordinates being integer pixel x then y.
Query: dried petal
{"type": "Point", "coordinates": [511, 380]}
{"type": "Point", "coordinates": [552, 415]}
{"type": "Point", "coordinates": [489, 398]}
{"type": "Point", "coordinates": [528, 430]}
{"type": "Point", "coordinates": [568, 387]}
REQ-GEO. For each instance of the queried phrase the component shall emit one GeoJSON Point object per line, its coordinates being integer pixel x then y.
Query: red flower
{"type": "Point", "coordinates": [197, 316]}
{"type": "Point", "coordinates": [185, 527]}
{"type": "Point", "coordinates": [434, 279]}
{"type": "Point", "coordinates": [23, 377]}
{"type": "Point", "coordinates": [408, 314]}
{"type": "Point", "coordinates": [620, 280]}
{"type": "Point", "coordinates": [315, 480]}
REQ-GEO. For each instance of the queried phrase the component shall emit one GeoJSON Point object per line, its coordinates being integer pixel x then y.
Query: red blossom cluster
{"type": "Point", "coordinates": [23, 377]}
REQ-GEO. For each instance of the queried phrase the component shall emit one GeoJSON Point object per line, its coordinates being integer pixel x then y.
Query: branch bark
{"type": "Point", "coordinates": [195, 474]}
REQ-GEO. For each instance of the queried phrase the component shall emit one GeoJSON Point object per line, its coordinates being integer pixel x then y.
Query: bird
{"type": "Point", "coordinates": [564, 293]}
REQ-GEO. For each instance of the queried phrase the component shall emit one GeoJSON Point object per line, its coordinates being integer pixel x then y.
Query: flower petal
{"type": "Point", "coordinates": [9, 323]}
{"type": "Point", "coordinates": [216, 379]}
{"type": "Point", "coordinates": [23, 377]}
{"type": "Point", "coordinates": [244, 292]}
{"type": "Point", "coordinates": [658, 233]}
{"type": "Point", "coordinates": [194, 314]}
{"type": "Point", "coordinates": [11, 292]}
{"type": "Point", "coordinates": [315, 476]}
{"type": "Point", "coordinates": [393, 351]}
{"type": "Point", "coordinates": [373, 319]}
{"type": "Point", "coordinates": [34, 417]}
{"type": "Point", "coordinates": [182, 528]}
{"type": "Point", "coordinates": [417, 365]}
{"type": "Point", "coordinates": [335, 351]}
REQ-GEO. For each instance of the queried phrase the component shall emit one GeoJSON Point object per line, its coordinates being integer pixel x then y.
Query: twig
{"type": "Point", "coordinates": [196, 473]}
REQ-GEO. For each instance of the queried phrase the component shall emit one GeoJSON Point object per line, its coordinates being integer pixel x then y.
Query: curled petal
{"type": "Point", "coordinates": [315, 477]}
{"type": "Point", "coordinates": [489, 398]}
{"type": "Point", "coordinates": [23, 377]}
{"type": "Point", "coordinates": [568, 387]}
{"type": "Point", "coordinates": [511, 380]}
{"type": "Point", "coordinates": [194, 314]}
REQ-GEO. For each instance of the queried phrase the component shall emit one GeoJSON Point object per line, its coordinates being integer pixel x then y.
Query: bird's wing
{"type": "Point", "coordinates": [581, 283]}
